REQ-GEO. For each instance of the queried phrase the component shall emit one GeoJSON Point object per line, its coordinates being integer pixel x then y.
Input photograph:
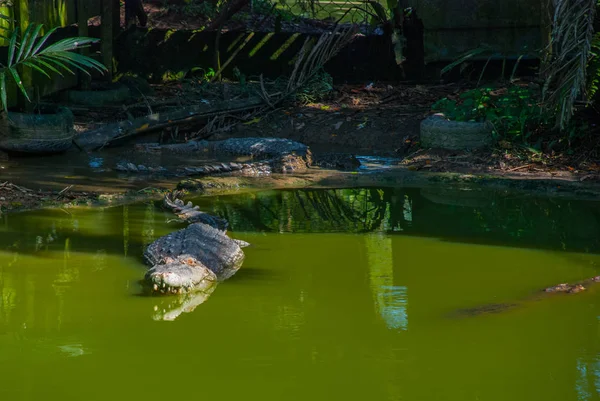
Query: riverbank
{"type": "Point", "coordinates": [377, 122]}
{"type": "Point", "coordinates": [15, 198]}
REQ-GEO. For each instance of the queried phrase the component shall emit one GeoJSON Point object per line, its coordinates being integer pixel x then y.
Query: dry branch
{"type": "Point", "coordinates": [309, 61]}
{"type": "Point", "coordinates": [103, 136]}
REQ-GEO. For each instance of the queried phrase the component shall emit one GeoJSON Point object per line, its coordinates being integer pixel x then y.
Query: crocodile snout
{"type": "Point", "coordinates": [180, 276]}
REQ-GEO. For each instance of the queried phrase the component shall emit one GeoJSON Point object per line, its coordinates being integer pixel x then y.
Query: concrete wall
{"type": "Point", "coordinates": [453, 27]}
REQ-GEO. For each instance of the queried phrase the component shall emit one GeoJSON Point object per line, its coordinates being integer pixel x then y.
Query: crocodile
{"type": "Point", "coordinates": [267, 155]}
{"type": "Point", "coordinates": [254, 169]}
{"type": "Point", "coordinates": [194, 258]}
{"type": "Point", "coordinates": [564, 288]}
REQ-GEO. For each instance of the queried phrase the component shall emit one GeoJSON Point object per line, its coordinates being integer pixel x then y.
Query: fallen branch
{"type": "Point", "coordinates": [309, 61]}
{"type": "Point", "coordinates": [11, 186]}
{"type": "Point", "coordinates": [67, 189]}
{"type": "Point", "coordinates": [520, 167]}
{"type": "Point", "coordinates": [103, 136]}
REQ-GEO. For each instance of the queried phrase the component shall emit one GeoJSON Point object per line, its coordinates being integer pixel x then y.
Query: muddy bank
{"type": "Point", "coordinates": [565, 187]}
{"type": "Point", "coordinates": [448, 172]}
{"type": "Point", "coordinates": [570, 186]}
{"type": "Point", "coordinates": [368, 119]}
{"type": "Point", "coordinates": [16, 198]}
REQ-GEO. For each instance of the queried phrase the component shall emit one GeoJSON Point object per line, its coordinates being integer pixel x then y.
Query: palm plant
{"type": "Point", "coordinates": [29, 50]}
{"type": "Point", "coordinates": [571, 49]}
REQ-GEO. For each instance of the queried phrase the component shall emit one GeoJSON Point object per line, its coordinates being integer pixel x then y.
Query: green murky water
{"type": "Point", "coordinates": [344, 295]}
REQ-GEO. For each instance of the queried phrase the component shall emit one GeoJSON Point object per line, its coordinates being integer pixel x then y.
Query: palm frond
{"type": "Point", "coordinates": [465, 57]}
{"type": "Point", "coordinates": [3, 93]}
{"type": "Point", "coordinates": [571, 50]}
{"type": "Point", "coordinates": [28, 50]}
{"type": "Point", "coordinates": [15, 75]}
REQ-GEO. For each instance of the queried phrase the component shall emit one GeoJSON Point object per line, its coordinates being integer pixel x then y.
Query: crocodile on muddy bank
{"type": "Point", "coordinates": [563, 288]}
{"type": "Point", "coordinates": [260, 156]}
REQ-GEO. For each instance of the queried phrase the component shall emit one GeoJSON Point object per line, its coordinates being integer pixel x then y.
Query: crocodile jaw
{"type": "Point", "coordinates": [180, 276]}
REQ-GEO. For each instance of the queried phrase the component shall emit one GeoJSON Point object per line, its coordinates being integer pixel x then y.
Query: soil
{"type": "Point", "coordinates": [14, 197]}
{"type": "Point", "coordinates": [370, 119]}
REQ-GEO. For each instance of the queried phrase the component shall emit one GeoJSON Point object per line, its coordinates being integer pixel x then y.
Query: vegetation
{"type": "Point", "coordinates": [569, 78]}
{"type": "Point", "coordinates": [28, 50]}
{"type": "Point", "coordinates": [571, 52]}
{"type": "Point", "coordinates": [316, 89]}
{"type": "Point", "coordinates": [514, 111]}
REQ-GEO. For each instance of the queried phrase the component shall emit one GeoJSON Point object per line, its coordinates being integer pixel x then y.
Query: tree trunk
{"type": "Point", "coordinates": [135, 9]}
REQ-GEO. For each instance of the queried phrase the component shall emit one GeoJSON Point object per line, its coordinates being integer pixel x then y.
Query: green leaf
{"type": "Point", "coordinates": [57, 62]}
{"type": "Point", "coordinates": [24, 40]}
{"type": "Point", "coordinates": [31, 43]}
{"type": "Point", "coordinates": [18, 81]}
{"type": "Point", "coordinates": [483, 69]}
{"type": "Point", "coordinates": [44, 64]}
{"type": "Point", "coordinates": [78, 61]}
{"type": "Point", "coordinates": [69, 44]}
{"type": "Point", "coordinates": [3, 94]}
{"type": "Point", "coordinates": [398, 41]}
{"type": "Point", "coordinates": [36, 67]}
{"type": "Point", "coordinates": [379, 10]}
{"type": "Point", "coordinates": [43, 40]}
{"type": "Point", "coordinates": [12, 46]}
{"type": "Point", "coordinates": [464, 57]}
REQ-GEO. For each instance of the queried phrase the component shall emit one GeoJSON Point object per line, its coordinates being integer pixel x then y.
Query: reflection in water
{"type": "Point", "coordinates": [587, 384]}
{"type": "Point", "coordinates": [73, 350]}
{"type": "Point", "coordinates": [407, 210]}
{"type": "Point", "coordinates": [170, 308]}
{"type": "Point", "coordinates": [390, 300]}
{"type": "Point", "coordinates": [457, 214]}
{"type": "Point", "coordinates": [125, 229]}
{"type": "Point", "coordinates": [8, 294]}
{"type": "Point", "coordinates": [289, 318]}
{"type": "Point", "coordinates": [304, 309]}
{"type": "Point", "coordinates": [100, 260]}
{"type": "Point", "coordinates": [148, 228]}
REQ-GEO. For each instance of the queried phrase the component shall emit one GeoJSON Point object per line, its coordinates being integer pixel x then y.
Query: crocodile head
{"type": "Point", "coordinates": [179, 275]}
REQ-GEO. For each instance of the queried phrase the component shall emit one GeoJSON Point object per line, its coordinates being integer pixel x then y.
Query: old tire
{"type": "Point", "coordinates": [50, 130]}
{"type": "Point", "coordinates": [101, 96]}
{"type": "Point", "coordinates": [439, 132]}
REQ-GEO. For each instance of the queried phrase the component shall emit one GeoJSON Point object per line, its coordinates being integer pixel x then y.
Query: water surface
{"type": "Point", "coordinates": [344, 295]}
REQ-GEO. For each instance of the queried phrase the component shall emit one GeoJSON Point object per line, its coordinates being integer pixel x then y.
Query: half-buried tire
{"type": "Point", "coordinates": [439, 132]}
{"type": "Point", "coordinates": [47, 130]}
{"type": "Point", "coordinates": [100, 96]}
